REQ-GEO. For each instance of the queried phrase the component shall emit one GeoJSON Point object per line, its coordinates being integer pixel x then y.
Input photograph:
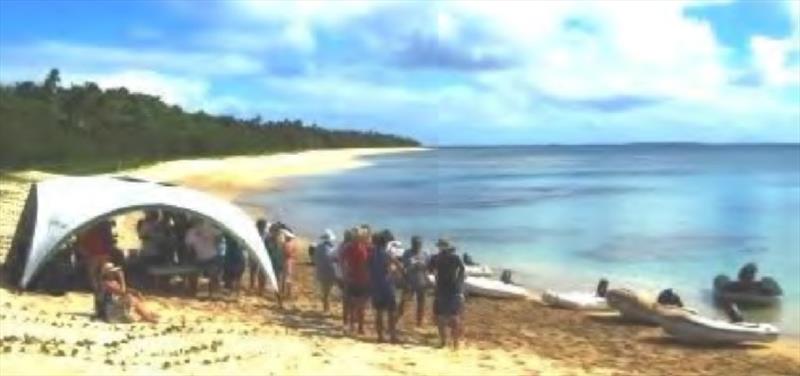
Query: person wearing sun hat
{"type": "Point", "coordinates": [119, 299]}
{"type": "Point", "coordinates": [323, 265]}
{"type": "Point", "coordinates": [448, 304]}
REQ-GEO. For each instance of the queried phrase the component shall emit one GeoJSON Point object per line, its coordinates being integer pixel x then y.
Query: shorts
{"type": "Point", "coordinates": [211, 266]}
{"type": "Point", "coordinates": [448, 304]}
{"type": "Point", "coordinates": [384, 300]}
{"type": "Point", "coordinates": [234, 270]}
{"type": "Point", "coordinates": [357, 291]}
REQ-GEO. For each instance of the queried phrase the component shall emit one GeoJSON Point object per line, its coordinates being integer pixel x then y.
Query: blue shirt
{"type": "Point", "coordinates": [323, 263]}
{"type": "Point", "coordinates": [380, 279]}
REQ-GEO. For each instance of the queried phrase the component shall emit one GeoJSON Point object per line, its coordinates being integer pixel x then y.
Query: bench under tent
{"type": "Point", "coordinates": [60, 207]}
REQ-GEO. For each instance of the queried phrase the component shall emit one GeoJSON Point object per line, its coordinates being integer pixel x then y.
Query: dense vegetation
{"type": "Point", "coordinates": [45, 125]}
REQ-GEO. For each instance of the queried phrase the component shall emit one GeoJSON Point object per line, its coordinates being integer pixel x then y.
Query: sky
{"type": "Point", "coordinates": [444, 72]}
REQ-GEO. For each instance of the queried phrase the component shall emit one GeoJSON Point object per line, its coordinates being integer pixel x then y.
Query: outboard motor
{"type": "Point", "coordinates": [747, 273]}
{"type": "Point", "coordinates": [732, 310]}
{"type": "Point", "coordinates": [602, 288]}
{"type": "Point", "coordinates": [668, 297]}
{"type": "Point", "coordinates": [770, 287]}
{"type": "Point", "coordinates": [505, 277]}
{"type": "Point", "coordinates": [468, 259]}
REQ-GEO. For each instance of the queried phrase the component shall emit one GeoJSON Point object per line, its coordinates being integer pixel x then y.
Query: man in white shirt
{"type": "Point", "coordinates": [203, 240]}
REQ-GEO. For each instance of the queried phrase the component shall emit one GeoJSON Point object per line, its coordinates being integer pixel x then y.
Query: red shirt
{"type": "Point", "coordinates": [355, 258]}
{"type": "Point", "coordinates": [93, 242]}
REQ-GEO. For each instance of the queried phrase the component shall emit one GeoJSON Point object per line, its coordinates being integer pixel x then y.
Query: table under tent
{"type": "Point", "coordinates": [57, 209]}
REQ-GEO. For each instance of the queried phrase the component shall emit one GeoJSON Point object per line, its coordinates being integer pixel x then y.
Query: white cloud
{"type": "Point", "coordinates": [186, 92]}
{"type": "Point", "coordinates": [772, 59]}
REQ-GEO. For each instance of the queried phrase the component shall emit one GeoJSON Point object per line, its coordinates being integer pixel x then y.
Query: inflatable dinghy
{"type": "Point", "coordinates": [693, 328]}
{"type": "Point", "coordinates": [765, 292]}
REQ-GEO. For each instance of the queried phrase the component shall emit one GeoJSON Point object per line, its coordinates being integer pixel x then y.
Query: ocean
{"type": "Point", "coordinates": [648, 216]}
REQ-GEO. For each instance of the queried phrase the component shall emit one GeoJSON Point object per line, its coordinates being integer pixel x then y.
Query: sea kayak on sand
{"type": "Point", "coordinates": [694, 328]}
{"type": "Point", "coordinates": [575, 300]}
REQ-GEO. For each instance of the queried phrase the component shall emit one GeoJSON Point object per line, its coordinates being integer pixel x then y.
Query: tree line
{"type": "Point", "coordinates": [46, 125]}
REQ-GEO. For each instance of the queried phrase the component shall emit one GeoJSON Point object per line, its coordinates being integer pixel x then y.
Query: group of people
{"type": "Point", "coordinates": [365, 267]}
{"type": "Point", "coordinates": [178, 239]}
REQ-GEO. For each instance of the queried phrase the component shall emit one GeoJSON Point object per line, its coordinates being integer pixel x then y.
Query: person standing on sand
{"type": "Point", "coordinates": [339, 271]}
{"type": "Point", "coordinates": [289, 248]}
{"type": "Point", "coordinates": [202, 239]}
{"type": "Point", "coordinates": [356, 270]}
{"type": "Point", "coordinates": [256, 276]}
{"type": "Point", "coordinates": [448, 304]}
{"type": "Point", "coordinates": [234, 261]}
{"type": "Point", "coordinates": [323, 266]}
{"type": "Point", "coordinates": [275, 251]}
{"type": "Point", "coordinates": [95, 246]}
{"type": "Point", "coordinates": [382, 285]}
{"type": "Point", "coordinates": [415, 278]}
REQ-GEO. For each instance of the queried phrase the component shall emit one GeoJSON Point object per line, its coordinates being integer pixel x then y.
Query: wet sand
{"type": "Point", "coordinates": [41, 334]}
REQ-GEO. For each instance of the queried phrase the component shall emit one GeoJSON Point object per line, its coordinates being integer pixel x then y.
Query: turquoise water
{"type": "Point", "coordinates": [646, 216]}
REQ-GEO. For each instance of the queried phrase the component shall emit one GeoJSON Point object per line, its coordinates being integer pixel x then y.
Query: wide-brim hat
{"type": "Point", "coordinates": [443, 243]}
{"type": "Point", "coordinates": [109, 268]}
{"type": "Point", "coordinates": [328, 235]}
{"type": "Point", "coordinates": [288, 234]}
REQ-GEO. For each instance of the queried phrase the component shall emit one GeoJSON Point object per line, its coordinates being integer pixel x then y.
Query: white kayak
{"type": "Point", "coordinates": [575, 300]}
{"type": "Point", "coordinates": [494, 288]}
{"type": "Point", "coordinates": [694, 328]}
{"type": "Point", "coordinates": [478, 270]}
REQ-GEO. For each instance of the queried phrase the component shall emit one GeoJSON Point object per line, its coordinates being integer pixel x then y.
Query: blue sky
{"type": "Point", "coordinates": [445, 72]}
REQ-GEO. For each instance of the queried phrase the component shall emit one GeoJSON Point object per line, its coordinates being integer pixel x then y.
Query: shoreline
{"type": "Point", "coordinates": [502, 337]}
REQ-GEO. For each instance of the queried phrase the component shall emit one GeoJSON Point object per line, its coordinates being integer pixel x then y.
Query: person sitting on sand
{"type": "Point", "coordinates": [289, 247]}
{"type": "Point", "coordinates": [356, 271]}
{"type": "Point", "coordinates": [382, 285]}
{"type": "Point", "coordinates": [256, 276]}
{"type": "Point", "coordinates": [415, 278]}
{"type": "Point", "coordinates": [202, 239]}
{"type": "Point", "coordinates": [448, 304]}
{"type": "Point", "coordinates": [323, 266]}
{"type": "Point", "coordinates": [234, 264]}
{"type": "Point", "coordinates": [118, 298]}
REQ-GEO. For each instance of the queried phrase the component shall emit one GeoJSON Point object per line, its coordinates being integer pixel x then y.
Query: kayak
{"type": "Point", "coordinates": [694, 328]}
{"type": "Point", "coordinates": [575, 300]}
{"type": "Point", "coordinates": [478, 270]}
{"type": "Point", "coordinates": [493, 288]}
{"type": "Point", "coordinates": [762, 293]}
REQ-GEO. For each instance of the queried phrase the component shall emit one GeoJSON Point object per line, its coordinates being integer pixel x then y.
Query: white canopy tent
{"type": "Point", "coordinates": [59, 207]}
